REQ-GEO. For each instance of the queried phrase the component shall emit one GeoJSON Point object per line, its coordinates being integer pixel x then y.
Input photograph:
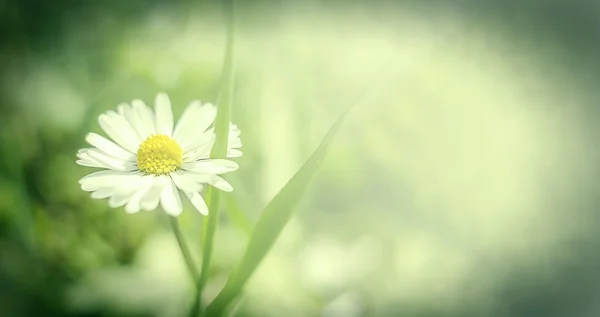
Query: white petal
{"type": "Point", "coordinates": [198, 202]}
{"type": "Point", "coordinates": [125, 126]}
{"type": "Point", "coordinates": [211, 179]}
{"type": "Point", "coordinates": [145, 117]}
{"type": "Point", "coordinates": [234, 153]}
{"type": "Point", "coordinates": [87, 160]}
{"type": "Point", "coordinates": [220, 183]}
{"type": "Point", "coordinates": [89, 163]}
{"type": "Point", "coordinates": [201, 146]}
{"type": "Point", "coordinates": [125, 190]}
{"type": "Point", "coordinates": [119, 130]}
{"type": "Point", "coordinates": [234, 142]}
{"type": "Point", "coordinates": [101, 193]}
{"type": "Point", "coordinates": [107, 146]}
{"type": "Point", "coordinates": [93, 157]}
{"type": "Point", "coordinates": [211, 166]}
{"type": "Point", "coordinates": [134, 204]}
{"type": "Point", "coordinates": [106, 179]}
{"type": "Point", "coordinates": [164, 114]}
{"type": "Point", "coordinates": [151, 198]}
{"type": "Point", "coordinates": [234, 131]}
{"type": "Point", "coordinates": [170, 200]}
{"type": "Point", "coordinates": [111, 162]}
{"type": "Point", "coordinates": [116, 201]}
{"type": "Point", "coordinates": [127, 112]}
{"type": "Point", "coordinates": [101, 174]}
{"type": "Point", "coordinates": [195, 119]}
{"type": "Point", "coordinates": [185, 183]}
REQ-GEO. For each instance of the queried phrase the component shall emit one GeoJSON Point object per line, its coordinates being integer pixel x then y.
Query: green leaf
{"type": "Point", "coordinates": [272, 221]}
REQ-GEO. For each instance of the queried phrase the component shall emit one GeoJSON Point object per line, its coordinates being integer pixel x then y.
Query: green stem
{"type": "Point", "coordinates": [195, 310]}
{"type": "Point", "coordinates": [187, 256]}
{"type": "Point", "coordinates": [219, 150]}
{"type": "Point", "coordinates": [213, 220]}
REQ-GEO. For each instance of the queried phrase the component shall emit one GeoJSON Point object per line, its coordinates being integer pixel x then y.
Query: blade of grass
{"type": "Point", "coordinates": [219, 150]}
{"type": "Point", "coordinates": [273, 219]}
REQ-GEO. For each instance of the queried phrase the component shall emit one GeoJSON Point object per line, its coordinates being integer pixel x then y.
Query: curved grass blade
{"type": "Point", "coordinates": [273, 219]}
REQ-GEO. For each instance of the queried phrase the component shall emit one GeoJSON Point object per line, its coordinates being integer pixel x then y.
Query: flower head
{"type": "Point", "coordinates": [151, 161]}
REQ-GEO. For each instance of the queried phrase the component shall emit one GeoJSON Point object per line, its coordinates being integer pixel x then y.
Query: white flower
{"type": "Point", "coordinates": [149, 161]}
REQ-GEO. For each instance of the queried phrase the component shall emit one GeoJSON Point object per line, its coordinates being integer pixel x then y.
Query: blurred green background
{"type": "Point", "coordinates": [465, 184]}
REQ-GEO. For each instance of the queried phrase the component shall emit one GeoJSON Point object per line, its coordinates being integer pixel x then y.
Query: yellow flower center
{"type": "Point", "coordinates": [159, 155]}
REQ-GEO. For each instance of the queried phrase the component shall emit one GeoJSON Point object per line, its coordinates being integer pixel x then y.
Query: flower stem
{"type": "Point", "coordinates": [185, 251]}
{"type": "Point", "coordinates": [219, 150]}
{"type": "Point", "coordinates": [209, 241]}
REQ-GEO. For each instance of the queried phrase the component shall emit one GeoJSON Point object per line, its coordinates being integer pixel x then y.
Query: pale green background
{"type": "Point", "coordinates": [464, 184]}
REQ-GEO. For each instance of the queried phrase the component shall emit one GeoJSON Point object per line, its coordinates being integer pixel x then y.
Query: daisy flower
{"type": "Point", "coordinates": [150, 161]}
